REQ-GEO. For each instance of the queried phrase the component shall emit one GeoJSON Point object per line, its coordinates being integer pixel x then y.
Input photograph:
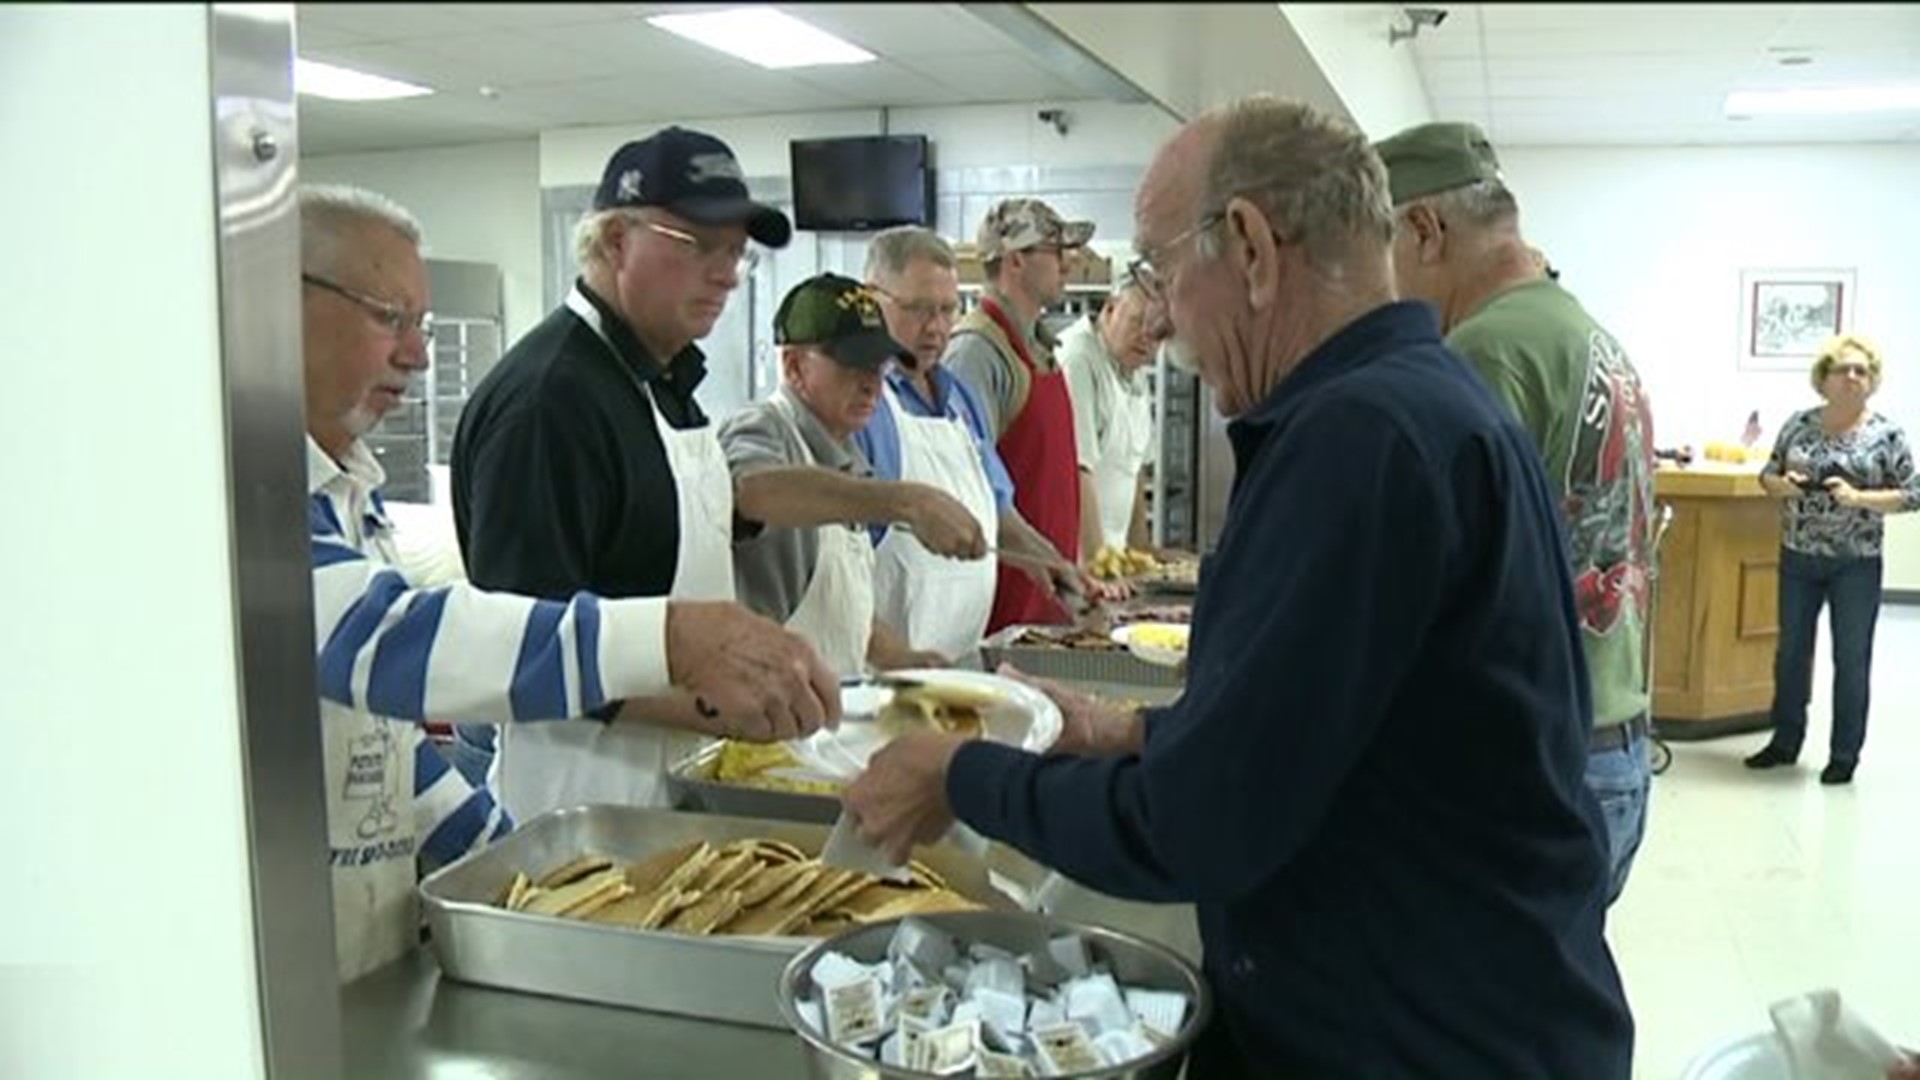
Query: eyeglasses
{"type": "Point", "coordinates": [1861, 370]}
{"type": "Point", "coordinates": [709, 251]}
{"type": "Point", "coordinates": [1151, 280]}
{"type": "Point", "coordinates": [921, 311]}
{"type": "Point", "coordinates": [392, 318]}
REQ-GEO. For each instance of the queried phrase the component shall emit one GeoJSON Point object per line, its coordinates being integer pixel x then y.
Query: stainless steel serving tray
{"type": "Point", "coordinates": [690, 786]}
{"type": "Point", "coordinates": [730, 979]}
{"type": "Point", "coordinates": [1117, 666]}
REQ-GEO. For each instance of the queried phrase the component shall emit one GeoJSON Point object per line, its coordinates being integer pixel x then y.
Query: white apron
{"type": "Point", "coordinates": [940, 604]}
{"type": "Point", "coordinates": [836, 611]}
{"type": "Point", "coordinates": [548, 765]}
{"type": "Point", "coordinates": [368, 765]}
{"type": "Point", "coordinates": [1123, 450]}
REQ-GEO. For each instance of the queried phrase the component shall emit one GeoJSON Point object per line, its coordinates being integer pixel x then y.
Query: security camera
{"type": "Point", "coordinates": [1418, 18]}
{"type": "Point", "coordinates": [1056, 117]}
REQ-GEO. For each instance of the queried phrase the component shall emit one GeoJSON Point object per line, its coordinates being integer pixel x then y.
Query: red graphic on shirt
{"type": "Point", "coordinates": [1609, 485]}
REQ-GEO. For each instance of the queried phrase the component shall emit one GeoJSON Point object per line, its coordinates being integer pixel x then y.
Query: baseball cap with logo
{"type": "Point", "coordinates": [1018, 224]}
{"type": "Point", "coordinates": [1432, 158]}
{"type": "Point", "coordinates": [842, 318]}
{"type": "Point", "coordinates": [692, 174]}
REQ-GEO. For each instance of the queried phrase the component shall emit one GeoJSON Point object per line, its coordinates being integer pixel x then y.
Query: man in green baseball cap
{"type": "Point", "coordinates": [804, 495]}
{"type": "Point", "coordinates": [1458, 246]}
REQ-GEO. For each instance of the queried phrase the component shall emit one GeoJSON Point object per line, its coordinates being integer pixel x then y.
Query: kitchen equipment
{"type": "Point", "coordinates": [718, 978]}
{"type": "Point", "coordinates": [1133, 960]}
{"type": "Point", "coordinates": [1099, 666]}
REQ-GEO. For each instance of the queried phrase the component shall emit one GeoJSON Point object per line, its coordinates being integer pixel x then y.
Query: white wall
{"type": "Point", "coordinates": [1190, 57]}
{"type": "Point", "coordinates": [1100, 133]}
{"type": "Point", "coordinates": [480, 203]}
{"type": "Point", "coordinates": [1653, 241]}
{"type": "Point", "coordinates": [1376, 80]}
{"type": "Point", "coordinates": [126, 946]}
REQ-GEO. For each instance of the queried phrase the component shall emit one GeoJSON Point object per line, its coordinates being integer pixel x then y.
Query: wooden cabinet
{"type": "Point", "coordinates": [1716, 618]}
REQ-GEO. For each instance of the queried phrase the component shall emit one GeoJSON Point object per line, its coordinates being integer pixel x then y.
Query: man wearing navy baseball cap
{"type": "Point", "coordinates": [583, 461]}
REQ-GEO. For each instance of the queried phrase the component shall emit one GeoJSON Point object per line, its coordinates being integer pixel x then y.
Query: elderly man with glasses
{"type": "Point", "coordinates": [392, 654]}
{"type": "Point", "coordinates": [930, 427]}
{"type": "Point", "coordinates": [584, 462]}
{"type": "Point", "coordinates": [1372, 787]}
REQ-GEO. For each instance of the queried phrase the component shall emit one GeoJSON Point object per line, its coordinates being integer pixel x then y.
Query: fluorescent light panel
{"type": "Point", "coordinates": [316, 79]}
{"type": "Point", "coordinates": [764, 36]}
{"type": "Point", "coordinates": [1822, 100]}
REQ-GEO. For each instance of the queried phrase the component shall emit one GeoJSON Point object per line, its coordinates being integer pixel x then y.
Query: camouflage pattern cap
{"type": "Point", "coordinates": [1018, 224]}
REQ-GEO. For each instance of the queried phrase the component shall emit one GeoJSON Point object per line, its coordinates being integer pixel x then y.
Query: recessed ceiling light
{"type": "Point", "coordinates": [1830, 99]}
{"type": "Point", "coordinates": [764, 36]}
{"type": "Point", "coordinates": [316, 79]}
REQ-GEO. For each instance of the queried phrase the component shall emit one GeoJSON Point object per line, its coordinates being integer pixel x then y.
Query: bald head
{"type": "Point", "coordinates": [1265, 227]}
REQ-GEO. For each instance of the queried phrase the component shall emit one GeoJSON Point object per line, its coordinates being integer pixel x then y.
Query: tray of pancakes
{"type": "Point", "coordinates": [692, 914]}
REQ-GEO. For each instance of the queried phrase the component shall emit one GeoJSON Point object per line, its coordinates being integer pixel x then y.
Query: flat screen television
{"type": "Point", "coordinates": [860, 183]}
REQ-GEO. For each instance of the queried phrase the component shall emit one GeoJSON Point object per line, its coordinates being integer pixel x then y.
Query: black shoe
{"type": "Point", "coordinates": [1837, 772]}
{"type": "Point", "coordinates": [1770, 756]}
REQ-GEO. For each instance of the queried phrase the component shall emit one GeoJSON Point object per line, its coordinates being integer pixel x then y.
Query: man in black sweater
{"type": "Point", "coordinates": [1372, 787]}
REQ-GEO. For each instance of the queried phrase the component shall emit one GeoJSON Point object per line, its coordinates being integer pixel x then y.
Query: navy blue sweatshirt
{"type": "Point", "coordinates": [1372, 787]}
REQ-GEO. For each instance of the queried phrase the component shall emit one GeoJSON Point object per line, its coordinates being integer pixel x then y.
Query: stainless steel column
{"type": "Point", "coordinates": [255, 153]}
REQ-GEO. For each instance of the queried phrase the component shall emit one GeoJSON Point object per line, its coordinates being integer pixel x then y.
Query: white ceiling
{"type": "Point", "coordinates": [559, 65]}
{"type": "Point", "coordinates": [1636, 74]}
{"type": "Point", "coordinates": [1532, 74]}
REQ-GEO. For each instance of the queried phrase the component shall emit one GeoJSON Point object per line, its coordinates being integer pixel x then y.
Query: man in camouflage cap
{"type": "Point", "coordinates": [1458, 246]}
{"type": "Point", "coordinates": [1005, 355]}
{"type": "Point", "coordinates": [804, 494]}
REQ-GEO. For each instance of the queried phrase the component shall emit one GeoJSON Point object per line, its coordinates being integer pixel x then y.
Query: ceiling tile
{"type": "Point", "coordinates": [386, 22]}
{"type": "Point", "coordinates": [537, 16]}
{"type": "Point", "coordinates": [904, 30]}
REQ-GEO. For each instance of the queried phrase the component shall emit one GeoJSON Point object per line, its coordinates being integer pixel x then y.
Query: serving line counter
{"type": "Point", "coordinates": [410, 1021]}
{"type": "Point", "coordinates": [413, 1019]}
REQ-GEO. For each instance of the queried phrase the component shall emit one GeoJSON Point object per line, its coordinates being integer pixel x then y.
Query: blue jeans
{"type": "Point", "coordinates": [1851, 589]}
{"type": "Point", "coordinates": [1622, 779]}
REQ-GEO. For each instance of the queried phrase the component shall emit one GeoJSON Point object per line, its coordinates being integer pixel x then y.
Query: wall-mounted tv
{"type": "Point", "coordinates": [860, 183]}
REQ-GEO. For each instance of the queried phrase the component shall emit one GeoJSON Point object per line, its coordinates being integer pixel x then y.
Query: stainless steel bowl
{"type": "Point", "coordinates": [1135, 961]}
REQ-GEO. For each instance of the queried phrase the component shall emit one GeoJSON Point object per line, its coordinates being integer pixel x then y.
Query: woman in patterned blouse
{"type": "Point", "coordinates": [1838, 470]}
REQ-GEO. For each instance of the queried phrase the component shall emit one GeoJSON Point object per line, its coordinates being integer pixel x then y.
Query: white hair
{"type": "Point", "coordinates": [328, 212]}
{"type": "Point", "coordinates": [1482, 204]}
{"type": "Point", "coordinates": [1315, 177]}
{"type": "Point", "coordinates": [590, 232]}
{"type": "Point", "coordinates": [892, 251]}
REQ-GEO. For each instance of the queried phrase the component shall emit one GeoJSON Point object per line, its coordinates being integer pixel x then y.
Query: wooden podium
{"type": "Point", "coordinates": [1717, 617]}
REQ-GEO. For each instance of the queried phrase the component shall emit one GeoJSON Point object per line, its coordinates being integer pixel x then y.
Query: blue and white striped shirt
{"type": "Point", "coordinates": [388, 651]}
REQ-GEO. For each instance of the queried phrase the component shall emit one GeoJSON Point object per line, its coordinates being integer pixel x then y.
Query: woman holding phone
{"type": "Point", "coordinates": [1838, 469]}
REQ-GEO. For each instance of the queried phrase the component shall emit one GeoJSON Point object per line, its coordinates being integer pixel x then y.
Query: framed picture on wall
{"type": "Point", "coordinates": [1786, 315]}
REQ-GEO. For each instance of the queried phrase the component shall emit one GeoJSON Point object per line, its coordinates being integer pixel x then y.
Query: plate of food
{"type": "Point", "coordinates": [1155, 642]}
{"type": "Point", "coordinates": [971, 704]}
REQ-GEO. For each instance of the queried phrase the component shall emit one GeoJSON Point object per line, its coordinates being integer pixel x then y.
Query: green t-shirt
{"type": "Point", "coordinates": [1573, 387]}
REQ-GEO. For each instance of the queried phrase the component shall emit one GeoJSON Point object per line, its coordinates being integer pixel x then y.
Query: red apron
{"type": "Point", "coordinates": [1038, 450]}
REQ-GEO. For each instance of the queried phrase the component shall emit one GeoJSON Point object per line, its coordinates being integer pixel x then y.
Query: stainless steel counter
{"type": "Point", "coordinates": [407, 1021]}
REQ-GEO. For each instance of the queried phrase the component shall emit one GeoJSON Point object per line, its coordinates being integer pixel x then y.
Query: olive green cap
{"type": "Point", "coordinates": [1432, 158]}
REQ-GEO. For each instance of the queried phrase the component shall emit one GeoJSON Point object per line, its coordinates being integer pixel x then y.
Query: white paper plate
{"type": "Point", "coordinates": [1153, 654]}
{"type": "Point", "coordinates": [1029, 719]}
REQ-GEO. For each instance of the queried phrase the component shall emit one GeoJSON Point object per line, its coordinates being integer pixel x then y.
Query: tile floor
{"type": "Point", "coordinates": [1752, 887]}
